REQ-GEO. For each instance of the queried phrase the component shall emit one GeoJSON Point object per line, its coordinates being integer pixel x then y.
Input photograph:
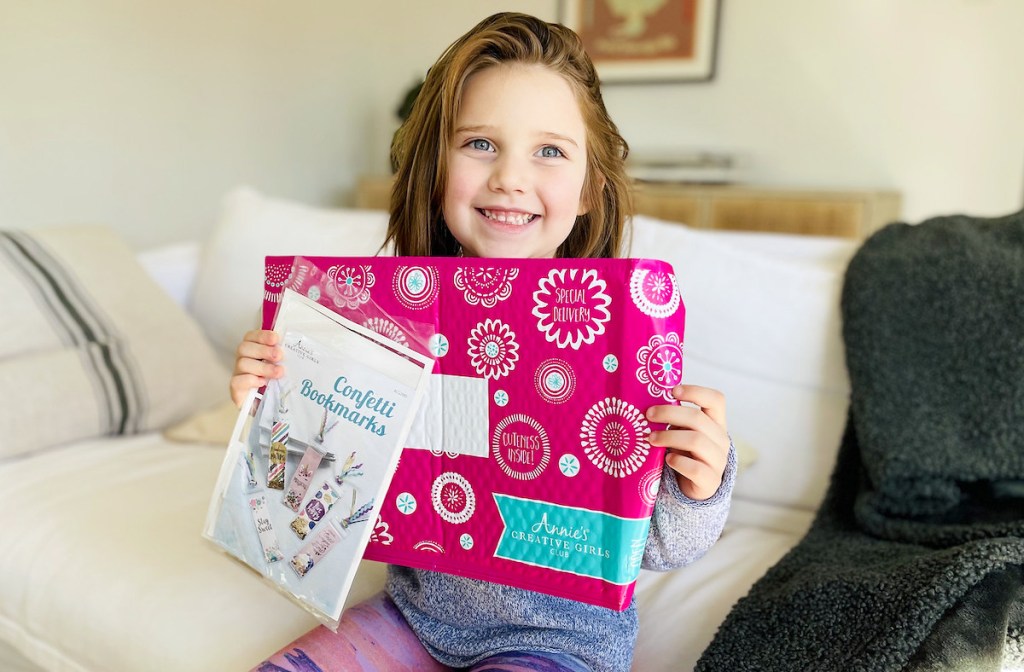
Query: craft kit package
{"type": "Point", "coordinates": [528, 463]}
{"type": "Point", "coordinates": [309, 461]}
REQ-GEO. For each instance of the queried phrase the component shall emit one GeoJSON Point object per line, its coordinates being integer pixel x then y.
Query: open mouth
{"type": "Point", "coordinates": [508, 216]}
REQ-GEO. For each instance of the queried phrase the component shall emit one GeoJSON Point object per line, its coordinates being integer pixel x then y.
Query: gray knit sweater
{"type": "Point", "coordinates": [462, 621]}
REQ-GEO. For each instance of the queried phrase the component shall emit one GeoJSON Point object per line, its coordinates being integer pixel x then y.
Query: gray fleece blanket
{"type": "Point", "coordinates": [914, 560]}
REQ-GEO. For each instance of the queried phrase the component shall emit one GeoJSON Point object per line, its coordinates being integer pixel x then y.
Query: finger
{"type": "Point", "coordinates": [264, 336]}
{"type": "Point", "coordinates": [688, 417]}
{"type": "Point", "coordinates": [711, 401]}
{"type": "Point", "coordinates": [688, 467]}
{"type": "Point", "coordinates": [241, 384]}
{"type": "Point", "coordinates": [258, 367]}
{"type": "Point", "coordinates": [696, 446]}
{"type": "Point", "coordinates": [704, 481]}
{"type": "Point", "coordinates": [257, 351]}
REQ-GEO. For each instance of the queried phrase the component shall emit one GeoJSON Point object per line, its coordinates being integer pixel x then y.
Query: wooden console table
{"type": "Point", "coordinates": [843, 213]}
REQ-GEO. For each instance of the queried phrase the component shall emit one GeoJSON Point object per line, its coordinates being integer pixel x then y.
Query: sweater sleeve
{"type": "Point", "coordinates": [683, 529]}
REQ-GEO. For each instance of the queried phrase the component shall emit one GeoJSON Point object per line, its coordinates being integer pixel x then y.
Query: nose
{"type": "Point", "coordinates": [509, 174]}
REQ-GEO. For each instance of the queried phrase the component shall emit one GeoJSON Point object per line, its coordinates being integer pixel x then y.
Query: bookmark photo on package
{"type": "Point", "coordinates": [265, 529]}
{"type": "Point", "coordinates": [280, 433]}
{"type": "Point", "coordinates": [246, 458]}
{"type": "Point", "coordinates": [249, 471]}
{"type": "Point", "coordinates": [278, 453]}
{"type": "Point", "coordinates": [315, 510]}
{"type": "Point", "coordinates": [301, 478]}
{"type": "Point", "coordinates": [310, 554]}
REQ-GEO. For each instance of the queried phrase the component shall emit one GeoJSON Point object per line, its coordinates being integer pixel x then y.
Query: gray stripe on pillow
{"type": "Point", "coordinates": [62, 298]}
{"type": "Point", "coordinates": [66, 329]}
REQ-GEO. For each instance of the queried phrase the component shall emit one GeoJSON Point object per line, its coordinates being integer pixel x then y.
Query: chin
{"type": "Point", "coordinates": [493, 251]}
{"type": "Point", "coordinates": [518, 250]}
{"type": "Point", "coordinates": [518, 254]}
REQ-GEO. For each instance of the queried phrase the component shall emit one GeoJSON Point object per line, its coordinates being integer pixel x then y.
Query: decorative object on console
{"type": "Point", "coordinates": [698, 166]}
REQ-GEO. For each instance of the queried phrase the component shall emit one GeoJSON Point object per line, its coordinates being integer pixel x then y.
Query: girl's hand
{"type": "Point", "coordinates": [696, 439]}
{"type": "Point", "coordinates": [255, 363]}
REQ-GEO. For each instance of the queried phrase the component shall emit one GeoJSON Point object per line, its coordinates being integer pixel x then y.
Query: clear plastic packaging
{"type": "Point", "coordinates": [311, 458]}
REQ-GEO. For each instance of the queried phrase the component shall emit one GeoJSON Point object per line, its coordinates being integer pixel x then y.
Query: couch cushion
{"type": "Point", "coordinates": [91, 346]}
{"type": "Point", "coordinates": [228, 293]}
{"type": "Point", "coordinates": [106, 569]}
{"type": "Point", "coordinates": [762, 313]}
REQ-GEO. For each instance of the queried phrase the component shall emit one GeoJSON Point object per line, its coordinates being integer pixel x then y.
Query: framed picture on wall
{"type": "Point", "coordinates": [643, 41]}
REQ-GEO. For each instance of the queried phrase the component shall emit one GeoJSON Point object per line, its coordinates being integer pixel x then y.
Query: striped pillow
{"type": "Point", "coordinates": [91, 346]}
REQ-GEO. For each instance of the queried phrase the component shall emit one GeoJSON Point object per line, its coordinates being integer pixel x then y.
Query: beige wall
{"type": "Point", "coordinates": [924, 96]}
{"type": "Point", "coordinates": [142, 113]}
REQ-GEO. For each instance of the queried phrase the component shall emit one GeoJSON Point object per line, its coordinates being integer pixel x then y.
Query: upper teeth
{"type": "Point", "coordinates": [508, 217]}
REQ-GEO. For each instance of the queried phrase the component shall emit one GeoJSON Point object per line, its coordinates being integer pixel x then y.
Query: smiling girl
{"type": "Point", "coordinates": [510, 152]}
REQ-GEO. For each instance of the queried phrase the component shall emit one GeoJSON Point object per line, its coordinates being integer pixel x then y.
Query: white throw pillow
{"type": "Point", "coordinates": [762, 326]}
{"type": "Point", "coordinates": [91, 345]}
{"type": "Point", "coordinates": [228, 293]}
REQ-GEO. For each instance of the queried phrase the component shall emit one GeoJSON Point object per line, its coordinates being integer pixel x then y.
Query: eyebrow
{"type": "Point", "coordinates": [483, 128]}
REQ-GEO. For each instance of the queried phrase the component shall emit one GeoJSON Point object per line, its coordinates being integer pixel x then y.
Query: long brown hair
{"type": "Point", "coordinates": [420, 148]}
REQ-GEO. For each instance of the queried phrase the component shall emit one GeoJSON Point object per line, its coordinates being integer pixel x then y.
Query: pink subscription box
{"type": "Point", "coordinates": [529, 465]}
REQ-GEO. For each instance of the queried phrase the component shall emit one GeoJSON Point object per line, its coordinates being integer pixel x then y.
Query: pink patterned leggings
{"type": "Point", "coordinates": [374, 637]}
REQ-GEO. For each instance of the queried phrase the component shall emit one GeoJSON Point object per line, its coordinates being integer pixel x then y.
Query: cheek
{"type": "Point", "coordinates": [568, 193]}
{"type": "Point", "coordinates": [460, 188]}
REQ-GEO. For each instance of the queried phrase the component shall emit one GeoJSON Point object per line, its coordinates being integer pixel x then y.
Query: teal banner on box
{"type": "Point", "coordinates": [569, 539]}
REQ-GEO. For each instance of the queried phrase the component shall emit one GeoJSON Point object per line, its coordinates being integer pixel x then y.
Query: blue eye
{"type": "Point", "coordinates": [551, 152]}
{"type": "Point", "coordinates": [480, 144]}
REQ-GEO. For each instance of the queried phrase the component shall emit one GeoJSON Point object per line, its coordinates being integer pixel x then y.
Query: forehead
{"type": "Point", "coordinates": [527, 97]}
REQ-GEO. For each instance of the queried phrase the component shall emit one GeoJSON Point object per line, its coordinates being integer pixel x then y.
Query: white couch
{"type": "Point", "coordinates": [103, 566]}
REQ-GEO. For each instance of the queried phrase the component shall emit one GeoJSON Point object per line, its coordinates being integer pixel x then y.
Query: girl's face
{"type": "Point", "coordinates": [517, 164]}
